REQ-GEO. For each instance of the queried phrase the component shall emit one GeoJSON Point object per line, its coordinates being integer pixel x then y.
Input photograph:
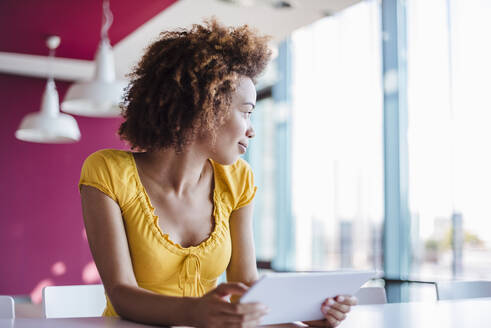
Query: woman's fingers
{"type": "Point", "coordinates": [233, 288]}
{"type": "Point", "coordinates": [242, 319]}
{"type": "Point", "coordinates": [330, 311]}
{"type": "Point", "coordinates": [341, 307]}
{"type": "Point", "coordinates": [346, 299]}
{"type": "Point", "coordinates": [221, 313]}
{"type": "Point", "coordinates": [244, 308]}
{"type": "Point", "coordinates": [335, 309]}
{"type": "Point", "coordinates": [244, 314]}
{"type": "Point", "coordinates": [219, 317]}
{"type": "Point", "coordinates": [336, 314]}
{"type": "Point", "coordinates": [340, 303]}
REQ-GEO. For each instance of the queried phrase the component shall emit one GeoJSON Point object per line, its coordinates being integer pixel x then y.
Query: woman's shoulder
{"type": "Point", "coordinates": [237, 181]}
{"type": "Point", "coordinates": [237, 170]}
{"type": "Point", "coordinates": [111, 163]}
{"type": "Point", "coordinates": [109, 158]}
{"type": "Point", "coordinates": [109, 154]}
{"type": "Point", "coordinates": [112, 172]}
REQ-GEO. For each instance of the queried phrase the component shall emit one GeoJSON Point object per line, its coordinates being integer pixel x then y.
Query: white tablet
{"type": "Point", "coordinates": [298, 296]}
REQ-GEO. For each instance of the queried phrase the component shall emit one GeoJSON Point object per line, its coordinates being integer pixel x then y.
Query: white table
{"type": "Point", "coordinates": [470, 313]}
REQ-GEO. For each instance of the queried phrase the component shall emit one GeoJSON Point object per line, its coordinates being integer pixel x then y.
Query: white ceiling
{"type": "Point", "coordinates": [277, 22]}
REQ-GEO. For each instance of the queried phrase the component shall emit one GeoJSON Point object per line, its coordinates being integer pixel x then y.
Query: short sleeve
{"type": "Point", "coordinates": [249, 189]}
{"type": "Point", "coordinates": [96, 173]}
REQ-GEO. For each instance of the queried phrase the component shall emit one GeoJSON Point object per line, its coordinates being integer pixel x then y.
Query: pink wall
{"type": "Point", "coordinates": [41, 228]}
{"type": "Point", "coordinates": [40, 213]}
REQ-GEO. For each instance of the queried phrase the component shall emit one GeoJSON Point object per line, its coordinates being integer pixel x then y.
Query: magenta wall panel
{"type": "Point", "coordinates": [25, 24]}
{"type": "Point", "coordinates": [41, 227]}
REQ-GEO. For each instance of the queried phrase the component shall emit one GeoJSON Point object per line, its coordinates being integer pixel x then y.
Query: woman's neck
{"type": "Point", "coordinates": [177, 173]}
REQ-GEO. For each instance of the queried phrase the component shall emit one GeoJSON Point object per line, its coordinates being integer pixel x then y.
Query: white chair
{"type": "Point", "coordinates": [7, 307]}
{"type": "Point", "coordinates": [73, 301]}
{"type": "Point", "coordinates": [452, 290]}
{"type": "Point", "coordinates": [371, 295]}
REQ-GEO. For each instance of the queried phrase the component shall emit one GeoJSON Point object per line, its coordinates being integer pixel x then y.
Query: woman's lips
{"type": "Point", "coordinates": [242, 147]}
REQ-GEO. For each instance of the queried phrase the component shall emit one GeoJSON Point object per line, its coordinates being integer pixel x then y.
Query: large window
{"type": "Point", "coordinates": [449, 78]}
{"type": "Point", "coordinates": [324, 134]}
{"type": "Point", "coordinates": [337, 161]}
{"type": "Point", "coordinates": [335, 140]}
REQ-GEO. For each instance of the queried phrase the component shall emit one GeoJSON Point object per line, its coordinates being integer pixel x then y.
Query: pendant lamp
{"type": "Point", "coordinates": [49, 125]}
{"type": "Point", "coordinates": [101, 96]}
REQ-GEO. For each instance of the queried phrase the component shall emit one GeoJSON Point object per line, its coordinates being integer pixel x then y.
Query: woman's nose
{"type": "Point", "coordinates": [250, 133]}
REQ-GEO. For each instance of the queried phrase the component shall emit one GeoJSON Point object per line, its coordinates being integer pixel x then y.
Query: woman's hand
{"type": "Point", "coordinates": [334, 310]}
{"type": "Point", "coordinates": [214, 309]}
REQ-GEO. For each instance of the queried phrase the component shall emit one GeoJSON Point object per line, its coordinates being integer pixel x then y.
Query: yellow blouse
{"type": "Point", "coordinates": [159, 264]}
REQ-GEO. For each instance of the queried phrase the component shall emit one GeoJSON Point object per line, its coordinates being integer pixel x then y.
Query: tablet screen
{"type": "Point", "coordinates": [298, 296]}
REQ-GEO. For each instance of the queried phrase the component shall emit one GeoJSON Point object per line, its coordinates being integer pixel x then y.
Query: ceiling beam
{"type": "Point", "coordinates": [38, 66]}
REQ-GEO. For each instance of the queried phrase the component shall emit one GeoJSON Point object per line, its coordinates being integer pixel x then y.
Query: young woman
{"type": "Point", "coordinates": [165, 222]}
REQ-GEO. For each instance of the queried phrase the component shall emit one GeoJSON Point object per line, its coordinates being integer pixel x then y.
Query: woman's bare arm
{"type": "Point", "coordinates": [109, 247]}
{"type": "Point", "coordinates": [242, 266]}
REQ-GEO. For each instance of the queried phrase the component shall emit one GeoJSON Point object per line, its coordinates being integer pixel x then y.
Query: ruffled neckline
{"type": "Point", "coordinates": [164, 237]}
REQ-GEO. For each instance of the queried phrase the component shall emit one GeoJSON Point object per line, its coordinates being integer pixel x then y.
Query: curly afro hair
{"type": "Point", "coordinates": [183, 84]}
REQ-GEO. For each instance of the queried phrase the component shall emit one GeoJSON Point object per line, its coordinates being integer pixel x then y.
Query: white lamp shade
{"type": "Point", "coordinates": [48, 125]}
{"type": "Point", "coordinates": [37, 127]}
{"type": "Point", "coordinates": [95, 98]}
{"type": "Point", "coordinates": [101, 96]}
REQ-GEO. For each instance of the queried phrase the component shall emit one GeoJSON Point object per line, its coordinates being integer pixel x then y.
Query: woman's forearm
{"type": "Point", "coordinates": [140, 305]}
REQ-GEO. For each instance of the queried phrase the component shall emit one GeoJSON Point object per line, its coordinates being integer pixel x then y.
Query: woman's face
{"type": "Point", "coordinates": [232, 138]}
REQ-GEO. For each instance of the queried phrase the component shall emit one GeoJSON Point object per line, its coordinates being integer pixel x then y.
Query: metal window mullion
{"type": "Point", "coordinates": [285, 225]}
{"type": "Point", "coordinates": [397, 219]}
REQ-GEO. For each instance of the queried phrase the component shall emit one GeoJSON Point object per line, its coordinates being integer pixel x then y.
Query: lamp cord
{"type": "Point", "coordinates": [107, 19]}
{"type": "Point", "coordinates": [50, 64]}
